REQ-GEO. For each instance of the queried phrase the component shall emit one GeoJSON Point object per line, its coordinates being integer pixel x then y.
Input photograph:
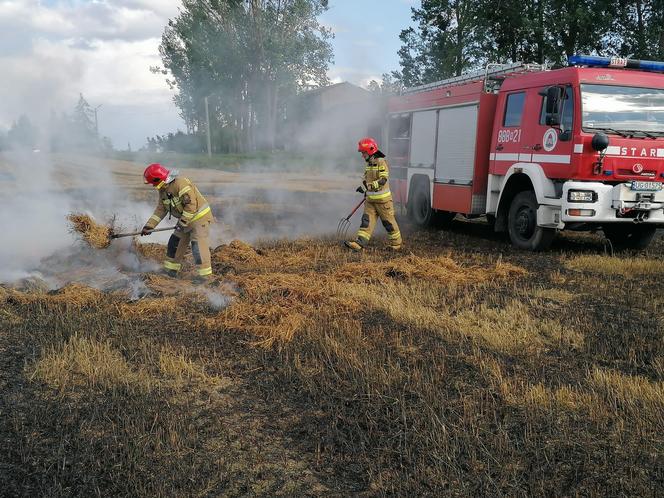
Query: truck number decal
{"type": "Point", "coordinates": [505, 136]}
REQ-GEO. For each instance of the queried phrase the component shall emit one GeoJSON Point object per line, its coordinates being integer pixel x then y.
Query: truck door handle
{"type": "Point", "coordinates": [537, 147]}
{"type": "Point", "coordinates": [499, 147]}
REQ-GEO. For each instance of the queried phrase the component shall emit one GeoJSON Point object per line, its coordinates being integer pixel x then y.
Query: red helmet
{"type": "Point", "coordinates": [367, 145]}
{"type": "Point", "coordinates": [155, 174]}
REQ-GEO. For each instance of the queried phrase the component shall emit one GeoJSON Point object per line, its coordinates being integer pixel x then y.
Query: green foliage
{"type": "Point", "coordinates": [388, 85]}
{"type": "Point", "coordinates": [77, 131]}
{"type": "Point", "coordinates": [444, 43]}
{"type": "Point", "coordinates": [248, 58]}
{"type": "Point", "coordinates": [176, 142]}
{"type": "Point", "coordinates": [62, 133]}
{"type": "Point", "coordinates": [642, 22]}
{"type": "Point", "coordinates": [452, 36]}
{"type": "Point", "coordinates": [23, 134]}
{"type": "Point", "coordinates": [282, 161]}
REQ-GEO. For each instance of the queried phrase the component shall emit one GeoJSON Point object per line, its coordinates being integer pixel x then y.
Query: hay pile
{"type": "Point", "coordinates": [74, 295]}
{"type": "Point", "coordinates": [152, 308]}
{"type": "Point", "coordinates": [150, 250]}
{"type": "Point", "coordinates": [275, 306]}
{"type": "Point", "coordinates": [234, 254]}
{"type": "Point", "coordinates": [162, 285]}
{"type": "Point", "coordinates": [98, 236]}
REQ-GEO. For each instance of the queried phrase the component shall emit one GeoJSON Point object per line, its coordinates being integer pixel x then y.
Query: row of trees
{"type": "Point", "coordinates": [64, 132]}
{"type": "Point", "coordinates": [241, 61]}
{"type": "Point", "coordinates": [188, 143]}
{"type": "Point", "coordinates": [452, 36]}
{"type": "Point", "coordinates": [245, 59]}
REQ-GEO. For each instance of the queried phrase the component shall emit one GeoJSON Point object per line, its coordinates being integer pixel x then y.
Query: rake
{"type": "Point", "coordinates": [344, 223]}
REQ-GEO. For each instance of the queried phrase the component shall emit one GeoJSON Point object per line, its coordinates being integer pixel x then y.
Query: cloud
{"type": "Point", "coordinates": [51, 52]}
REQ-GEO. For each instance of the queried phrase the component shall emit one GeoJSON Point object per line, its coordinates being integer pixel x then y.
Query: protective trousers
{"type": "Point", "coordinates": [385, 211]}
{"type": "Point", "coordinates": [198, 235]}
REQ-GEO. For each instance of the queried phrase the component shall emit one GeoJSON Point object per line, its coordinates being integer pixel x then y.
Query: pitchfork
{"type": "Point", "coordinates": [344, 223]}
{"type": "Point", "coordinates": [120, 235]}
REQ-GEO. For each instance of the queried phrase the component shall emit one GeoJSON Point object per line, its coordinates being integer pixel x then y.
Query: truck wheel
{"type": "Point", "coordinates": [419, 206]}
{"type": "Point", "coordinates": [628, 235]}
{"type": "Point", "coordinates": [522, 224]}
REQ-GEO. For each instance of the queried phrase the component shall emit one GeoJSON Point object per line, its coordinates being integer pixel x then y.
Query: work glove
{"type": "Point", "coordinates": [181, 226]}
{"type": "Point", "coordinates": [374, 185]}
{"type": "Point", "coordinates": [361, 189]}
{"type": "Point", "coordinates": [146, 230]}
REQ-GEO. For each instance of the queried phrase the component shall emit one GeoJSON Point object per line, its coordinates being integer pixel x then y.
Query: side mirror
{"type": "Point", "coordinates": [554, 96]}
{"type": "Point", "coordinates": [600, 141]}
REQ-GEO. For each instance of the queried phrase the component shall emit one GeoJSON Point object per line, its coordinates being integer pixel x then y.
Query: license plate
{"type": "Point", "coordinates": [638, 185]}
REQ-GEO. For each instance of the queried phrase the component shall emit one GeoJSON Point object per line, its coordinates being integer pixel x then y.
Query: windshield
{"type": "Point", "coordinates": [622, 108]}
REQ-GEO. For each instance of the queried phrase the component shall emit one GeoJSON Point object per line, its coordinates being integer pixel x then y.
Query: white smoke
{"type": "Point", "coordinates": [41, 190]}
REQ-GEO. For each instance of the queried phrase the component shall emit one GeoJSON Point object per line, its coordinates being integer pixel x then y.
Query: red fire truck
{"type": "Point", "coordinates": [535, 150]}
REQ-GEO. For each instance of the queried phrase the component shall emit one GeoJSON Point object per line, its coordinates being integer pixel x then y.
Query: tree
{"type": "Point", "coordinates": [22, 133]}
{"type": "Point", "coordinates": [83, 131]}
{"type": "Point", "coordinates": [642, 23]}
{"type": "Point", "coordinates": [250, 56]}
{"type": "Point", "coordinates": [458, 35]}
{"type": "Point", "coordinates": [389, 85]}
{"type": "Point", "coordinates": [444, 43]}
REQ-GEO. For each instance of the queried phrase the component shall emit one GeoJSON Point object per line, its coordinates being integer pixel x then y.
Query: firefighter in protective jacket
{"type": "Point", "coordinates": [379, 199]}
{"type": "Point", "coordinates": [180, 198]}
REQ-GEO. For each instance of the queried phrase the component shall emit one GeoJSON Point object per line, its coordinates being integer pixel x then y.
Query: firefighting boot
{"type": "Point", "coordinates": [354, 245]}
{"type": "Point", "coordinates": [169, 273]}
{"type": "Point", "coordinates": [394, 247]}
{"type": "Point", "coordinates": [202, 279]}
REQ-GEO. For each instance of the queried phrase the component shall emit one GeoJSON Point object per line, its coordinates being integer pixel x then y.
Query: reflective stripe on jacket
{"type": "Point", "coordinates": [180, 199]}
{"type": "Point", "coordinates": [376, 176]}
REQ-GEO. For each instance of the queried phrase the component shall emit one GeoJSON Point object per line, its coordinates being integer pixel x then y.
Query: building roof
{"type": "Point", "coordinates": [335, 86]}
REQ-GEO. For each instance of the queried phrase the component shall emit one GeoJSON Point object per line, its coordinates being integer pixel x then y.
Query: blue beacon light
{"type": "Point", "coordinates": [615, 62]}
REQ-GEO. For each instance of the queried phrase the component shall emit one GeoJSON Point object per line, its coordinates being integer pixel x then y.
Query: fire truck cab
{"type": "Point", "coordinates": [535, 150]}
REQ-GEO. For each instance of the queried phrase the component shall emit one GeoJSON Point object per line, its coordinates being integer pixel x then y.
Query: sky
{"type": "Point", "coordinates": [52, 50]}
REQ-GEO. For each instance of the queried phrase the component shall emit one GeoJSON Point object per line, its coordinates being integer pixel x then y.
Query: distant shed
{"type": "Point", "coordinates": [333, 118]}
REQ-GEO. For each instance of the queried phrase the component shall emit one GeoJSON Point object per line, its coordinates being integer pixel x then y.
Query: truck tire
{"type": "Point", "coordinates": [419, 206]}
{"type": "Point", "coordinates": [629, 235]}
{"type": "Point", "coordinates": [522, 224]}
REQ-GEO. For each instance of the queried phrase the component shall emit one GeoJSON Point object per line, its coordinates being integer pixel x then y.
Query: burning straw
{"type": "Point", "coordinates": [98, 236]}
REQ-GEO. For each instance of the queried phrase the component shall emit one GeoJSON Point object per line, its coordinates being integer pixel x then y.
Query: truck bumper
{"type": "Point", "coordinates": [612, 204]}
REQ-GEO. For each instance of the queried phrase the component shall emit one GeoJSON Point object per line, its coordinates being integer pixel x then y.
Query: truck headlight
{"type": "Point", "coordinates": [581, 196]}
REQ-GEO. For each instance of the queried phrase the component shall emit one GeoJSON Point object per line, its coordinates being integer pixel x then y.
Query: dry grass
{"type": "Point", "coordinates": [175, 365]}
{"type": "Point", "coordinates": [512, 329]}
{"type": "Point", "coordinates": [634, 394]}
{"type": "Point", "coordinates": [613, 265]}
{"type": "Point", "coordinates": [71, 296]}
{"type": "Point", "coordinates": [441, 269]}
{"type": "Point", "coordinates": [557, 295]}
{"type": "Point", "coordinates": [235, 252]}
{"type": "Point", "coordinates": [98, 236]}
{"type": "Point", "coordinates": [455, 372]}
{"type": "Point", "coordinates": [163, 306]}
{"type": "Point", "coordinates": [149, 250]}
{"type": "Point", "coordinates": [83, 362]}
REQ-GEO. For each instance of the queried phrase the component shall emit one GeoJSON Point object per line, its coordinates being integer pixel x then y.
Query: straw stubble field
{"type": "Point", "coordinates": [458, 367]}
